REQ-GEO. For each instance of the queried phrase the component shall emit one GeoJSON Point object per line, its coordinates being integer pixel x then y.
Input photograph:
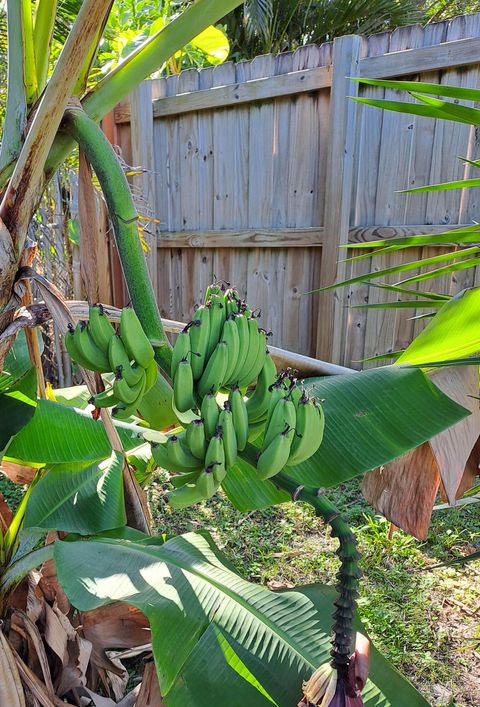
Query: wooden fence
{"type": "Point", "coordinates": [259, 171]}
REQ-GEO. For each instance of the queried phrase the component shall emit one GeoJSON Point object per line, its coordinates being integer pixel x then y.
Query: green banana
{"type": "Point", "coordinates": [125, 413]}
{"type": "Point", "coordinates": [156, 404]}
{"type": "Point", "coordinates": [181, 349]}
{"type": "Point", "coordinates": [100, 328]}
{"type": "Point", "coordinates": [283, 416]}
{"type": "Point", "coordinates": [150, 375]}
{"type": "Point", "coordinates": [210, 412]}
{"type": "Point", "coordinates": [273, 459]}
{"type": "Point", "coordinates": [105, 399]}
{"type": "Point", "coordinates": [241, 322]}
{"type": "Point", "coordinates": [185, 496]}
{"type": "Point", "coordinates": [252, 349]}
{"type": "Point", "coordinates": [126, 393]}
{"type": "Point", "coordinates": [257, 404]}
{"type": "Point", "coordinates": [119, 359]}
{"type": "Point", "coordinates": [240, 417]}
{"type": "Point", "coordinates": [134, 338]}
{"type": "Point", "coordinates": [213, 289]}
{"type": "Point", "coordinates": [162, 457]}
{"type": "Point", "coordinates": [215, 456]}
{"type": "Point", "coordinates": [252, 374]}
{"type": "Point", "coordinates": [217, 320]}
{"type": "Point", "coordinates": [308, 431]}
{"type": "Point", "coordinates": [180, 455]}
{"type": "Point", "coordinates": [93, 358]}
{"type": "Point", "coordinates": [206, 483]}
{"type": "Point", "coordinates": [277, 391]}
{"type": "Point", "coordinates": [225, 421]}
{"type": "Point", "coordinates": [196, 440]}
{"type": "Point", "coordinates": [183, 387]}
{"type": "Point", "coordinates": [231, 338]}
{"type": "Point", "coordinates": [199, 339]}
{"type": "Point", "coordinates": [214, 373]}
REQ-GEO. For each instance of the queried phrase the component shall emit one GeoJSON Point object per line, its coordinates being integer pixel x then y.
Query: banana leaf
{"type": "Point", "coordinates": [59, 435]}
{"type": "Point", "coordinates": [17, 406]}
{"type": "Point", "coordinates": [217, 639]}
{"type": "Point", "coordinates": [453, 333]}
{"type": "Point", "coordinates": [83, 500]}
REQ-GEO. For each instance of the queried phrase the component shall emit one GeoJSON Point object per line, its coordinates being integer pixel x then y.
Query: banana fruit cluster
{"type": "Point", "coordinates": [96, 346]}
{"type": "Point", "coordinates": [293, 424]}
{"type": "Point", "coordinates": [222, 347]}
{"type": "Point", "coordinates": [202, 454]}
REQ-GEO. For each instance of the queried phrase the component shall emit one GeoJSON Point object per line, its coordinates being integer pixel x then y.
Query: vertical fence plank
{"type": "Point", "coordinates": [346, 53]}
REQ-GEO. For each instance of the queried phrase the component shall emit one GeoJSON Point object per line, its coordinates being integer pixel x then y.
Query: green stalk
{"type": "Point", "coordinates": [16, 109]}
{"type": "Point", "coordinates": [30, 72]}
{"type": "Point", "coordinates": [113, 182]}
{"type": "Point", "coordinates": [14, 573]}
{"type": "Point", "coordinates": [42, 38]}
{"type": "Point", "coordinates": [348, 575]}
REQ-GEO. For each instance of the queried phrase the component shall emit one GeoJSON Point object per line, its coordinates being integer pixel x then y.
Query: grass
{"type": "Point", "coordinates": [425, 621]}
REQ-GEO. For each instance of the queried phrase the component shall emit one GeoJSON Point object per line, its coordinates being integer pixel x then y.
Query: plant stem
{"type": "Point", "coordinates": [15, 572]}
{"type": "Point", "coordinates": [347, 576]}
{"type": "Point", "coordinates": [113, 182]}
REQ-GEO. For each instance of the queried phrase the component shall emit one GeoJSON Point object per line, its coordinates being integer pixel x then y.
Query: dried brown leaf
{"type": "Point", "coordinates": [11, 690]}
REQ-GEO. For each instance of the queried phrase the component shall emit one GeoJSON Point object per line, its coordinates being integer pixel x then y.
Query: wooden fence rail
{"type": "Point", "coordinates": [259, 171]}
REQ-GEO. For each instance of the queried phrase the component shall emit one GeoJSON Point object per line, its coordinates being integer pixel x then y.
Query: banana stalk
{"type": "Point", "coordinates": [124, 217]}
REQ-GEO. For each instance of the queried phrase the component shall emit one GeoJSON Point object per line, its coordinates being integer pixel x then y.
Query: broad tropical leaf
{"type": "Point", "coordinates": [368, 421]}
{"type": "Point", "coordinates": [83, 500]}
{"type": "Point", "coordinates": [217, 639]}
{"type": "Point", "coordinates": [17, 406]}
{"type": "Point", "coordinates": [435, 89]}
{"type": "Point", "coordinates": [453, 333]}
{"type": "Point", "coordinates": [17, 363]}
{"type": "Point", "coordinates": [60, 435]}
{"type": "Point", "coordinates": [247, 492]}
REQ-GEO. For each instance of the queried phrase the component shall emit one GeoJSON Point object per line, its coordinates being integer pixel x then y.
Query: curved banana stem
{"type": "Point", "coordinates": [113, 182]}
{"type": "Point", "coordinates": [347, 576]}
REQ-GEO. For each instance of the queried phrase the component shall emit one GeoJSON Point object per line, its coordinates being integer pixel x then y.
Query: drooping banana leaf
{"type": "Point", "coordinates": [83, 500]}
{"type": "Point", "coordinates": [58, 435]}
{"type": "Point", "coordinates": [217, 639]}
{"type": "Point", "coordinates": [17, 406]}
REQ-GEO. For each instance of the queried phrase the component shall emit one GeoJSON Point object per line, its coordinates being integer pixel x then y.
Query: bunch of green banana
{"type": "Point", "coordinates": [293, 428]}
{"type": "Point", "coordinates": [222, 345]}
{"type": "Point", "coordinates": [96, 346]}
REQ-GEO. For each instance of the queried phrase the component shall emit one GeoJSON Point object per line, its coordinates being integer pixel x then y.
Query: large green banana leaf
{"type": "Point", "coordinates": [83, 500]}
{"type": "Point", "coordinates": [58, 434]}
{"type": "Point", "coordinates": [247, 492]}
{"type": "Point", "coordinates": [17, 363]}
{"type": "Point", "coordinates": [372, 418]}
{"type": "Point", "coordinates": [217, 639]}
{"type": "Point", "coordinates": [17, 405]}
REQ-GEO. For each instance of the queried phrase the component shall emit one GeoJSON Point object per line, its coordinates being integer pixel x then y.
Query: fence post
{"type": "Point", "coordinates": [141, 124]}
{"type": "Point", "coordinates": [338, 194]}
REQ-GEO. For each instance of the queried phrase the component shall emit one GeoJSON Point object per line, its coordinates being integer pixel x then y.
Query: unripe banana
{"type": "Point", "coordinates": [134, 338]}
{"type": "Point", "coordinates": [119, 359]}
{"type": "Point", "coordinates": [308, 431]}
{"type": "Point", "coordinates": [199, 339]}
{"type": "Point", "coordinates": [196, 441]}
{"type": "Point", "coordinates": [180, 455]}
{"type": "Point", "coordinates": [100, 328]}
{"type": "Point", "coordinates": [215, 456]}
{"type": "Point", "coordinates": [210, 413]}
{"type": "Point", "coordinates": [214, 373]}
{"type": "Point", "coordinates": [213, 289]}
{"type": "Point", "coordinates": [93, 358]}
{"type": "Point", "coordinates": [126, 393]}
{"type": "Point", "coordinates": [151, 373]}
{"type": "Point", "coordinates": [258, 402]}
{"type": "Point", "coordinates": [185, 496]}
{"type": "Point", "coordinates": [206, 483]}
{"type": "Point", "coordinates": [181, 349]}
{"type": "Point", "coordinates": [258, 362]}
{"type": "Point", "coordinates": [217, 320]}
{"type": "Point", "coordinates": [183, 387]}
{"type": "Point", "coordinates": [252, 350]}
{"type": "Point", "coordinates": [105, 399]}
{"type": "Point", "coordinates": [240, 417]}
{"type": "Point", "coordinates": [241, 322]}
{"type": "Point", "coordinates": [275, 457]}
{"type": "Point", "coordinates": [69, 341]}
{"type": "Point", "coordinates": [284, 416]}
{"type": "Point", "coordinates": [225, 421]}
{"type": "Point", "coordinates": [231, 338]}
{"type": "Point", "coordinates": [277, 391]}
